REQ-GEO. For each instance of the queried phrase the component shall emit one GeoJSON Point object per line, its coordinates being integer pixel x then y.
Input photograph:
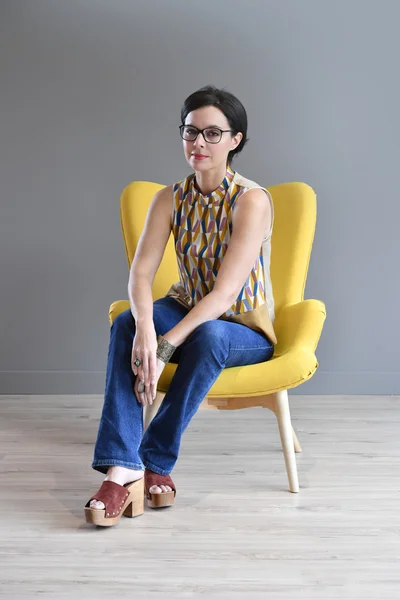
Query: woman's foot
{"type": "Point", "coordinates": [123, 475]}
{"type": "Point", "coordinates": [119, 500]}
{"type": "Point", "coordinates": [119, 475]}
{"type": "Point", "coordinates": [159, 489]}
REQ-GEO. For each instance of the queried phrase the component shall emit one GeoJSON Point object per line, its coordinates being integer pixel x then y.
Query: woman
{"type": "Point", "coordinates": [220, 314]}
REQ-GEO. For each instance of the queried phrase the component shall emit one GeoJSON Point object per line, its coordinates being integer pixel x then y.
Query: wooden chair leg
{"type": "Point", "coordinates": [149, 412]}
{"type": "Point", "coordinates": [286, 432]}
{"type": "Point", "coordinates": [297, 447]}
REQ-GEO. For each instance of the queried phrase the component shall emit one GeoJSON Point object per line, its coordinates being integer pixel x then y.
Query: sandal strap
{"type": "Point", "coordinates": [113, 496]}
{"type": "Point", "coordinates": [151, 478]}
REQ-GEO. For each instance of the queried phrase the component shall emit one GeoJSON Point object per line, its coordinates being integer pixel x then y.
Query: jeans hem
{"type": "Point", "coordinates": [154, 468]}
{"type": "Point", "coordinates": [103, 464]}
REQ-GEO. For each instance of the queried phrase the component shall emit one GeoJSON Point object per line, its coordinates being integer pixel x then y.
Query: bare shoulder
{"type": "Point", "coordinates": [164, 195]}
{"type": "Point", "coordinates": [255, 195]}
{"type": "Point", "coordinates": [253, 200]}
{"type": "Point", "coordinates": [161, 204]}
{"type": "Point", "coordinates": [252, 207]}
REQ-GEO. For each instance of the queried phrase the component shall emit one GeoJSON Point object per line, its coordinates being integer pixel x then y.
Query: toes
{"type": "Point", "coordinates": [155, 489]}
{"type": "Point", "coordinates": [165, 488]}
{"type": "Point", "coordinates": [96, 504]}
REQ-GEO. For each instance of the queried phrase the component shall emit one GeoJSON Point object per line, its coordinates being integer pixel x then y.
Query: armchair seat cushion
{"type": "Point", "coordinates": [279, 373]}
{"type": "Point", "coordinates": [298, 328]}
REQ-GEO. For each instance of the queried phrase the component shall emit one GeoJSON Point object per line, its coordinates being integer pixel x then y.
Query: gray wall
{"type": "Point", "coordinates": [90, 97]}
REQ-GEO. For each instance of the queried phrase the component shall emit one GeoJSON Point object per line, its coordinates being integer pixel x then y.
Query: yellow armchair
{"type": "Point", "coordinates": [298, 323]}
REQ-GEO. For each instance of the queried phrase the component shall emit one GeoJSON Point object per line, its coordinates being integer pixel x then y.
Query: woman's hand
{"type": "Point", "coordinates": [149, 397]}
{"type": "Point", "coordinates": [144, 348]}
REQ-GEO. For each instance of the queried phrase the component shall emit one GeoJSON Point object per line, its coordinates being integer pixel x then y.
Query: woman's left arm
{"type": "Point", "coordinates": [251, 218]}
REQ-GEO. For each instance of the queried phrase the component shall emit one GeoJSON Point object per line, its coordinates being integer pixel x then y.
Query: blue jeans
{"type": "Point", "coordinates": [210, 348]}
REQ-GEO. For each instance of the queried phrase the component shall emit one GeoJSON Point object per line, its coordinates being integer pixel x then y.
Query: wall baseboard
{"type": "Point", "coordinates": [352, 383]}
{"type": "Point", "coordinates": [92, 382]}
{"type": "Point", "coordinates": [52, 382]}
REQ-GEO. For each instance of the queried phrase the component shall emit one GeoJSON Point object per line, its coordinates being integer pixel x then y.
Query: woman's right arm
{"type": "Point", "coordinates": [147, 259]}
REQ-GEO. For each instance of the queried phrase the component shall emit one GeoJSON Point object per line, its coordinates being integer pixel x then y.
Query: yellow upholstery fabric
{"type": "Point", "coordinates": [298, 322]}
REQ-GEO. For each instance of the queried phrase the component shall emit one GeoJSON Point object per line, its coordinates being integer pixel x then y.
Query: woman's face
{"type": "Point", "coordinates": [202, 155]}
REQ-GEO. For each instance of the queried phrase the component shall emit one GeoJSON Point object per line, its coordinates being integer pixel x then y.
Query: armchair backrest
{"type": "Point", "coordinates": [293, 234]}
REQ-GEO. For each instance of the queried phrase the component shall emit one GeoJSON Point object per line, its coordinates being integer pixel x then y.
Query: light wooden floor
{"type": "Point", "coordinates": [235, 531]}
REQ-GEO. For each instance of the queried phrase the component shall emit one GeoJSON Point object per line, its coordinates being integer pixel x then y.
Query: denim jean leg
{"type": "Point", "coordinates": [201, 360]}
{"type": "Point", "coordinates": [213, 346]}
{"type": "Point", "coordinates": [121, 424]}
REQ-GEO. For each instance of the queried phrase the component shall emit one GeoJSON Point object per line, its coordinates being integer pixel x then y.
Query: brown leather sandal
{"type": "Point", "coordinates": [162, 499]}
{"type": "Point", "coordinates": [118, 500]}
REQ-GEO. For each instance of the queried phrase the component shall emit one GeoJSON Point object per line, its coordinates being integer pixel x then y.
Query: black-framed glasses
{"type": "Point", "coordinates": [212, 135]}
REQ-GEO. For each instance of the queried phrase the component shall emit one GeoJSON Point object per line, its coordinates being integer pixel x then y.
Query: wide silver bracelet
{"type": "Point", "coordinates": [165, 350]}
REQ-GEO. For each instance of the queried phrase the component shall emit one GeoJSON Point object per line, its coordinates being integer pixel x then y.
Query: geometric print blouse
{"type": "Point", "coordinates": [202, 226]}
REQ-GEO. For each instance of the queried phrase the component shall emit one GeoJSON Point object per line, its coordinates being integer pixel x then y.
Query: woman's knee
{"type": "Point", "coordinates": [124, 322]}
{"type": "Point", "coordinates": [210, 334]}
{"type": "Point", "coordinates": [207, 341]}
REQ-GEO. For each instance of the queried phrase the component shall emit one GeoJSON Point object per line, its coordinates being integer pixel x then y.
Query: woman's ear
{"type": "Point", "coordinates": [237, 138]}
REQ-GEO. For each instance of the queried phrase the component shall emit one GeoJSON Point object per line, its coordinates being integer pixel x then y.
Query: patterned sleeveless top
{"type": "Point", "coordinates": [202, 226]}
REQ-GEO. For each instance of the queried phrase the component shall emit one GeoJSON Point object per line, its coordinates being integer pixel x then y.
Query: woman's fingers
{"type": "Point", "coordinates": [144, 388]}
{"type": "Point", "coordinates": [146, 372]}
{"type": "Point", "coordinates": [145, 368]}
{"type": "Point", "coordinates": [133, 358]}
{"type": "Point", "coordinates": [148, 398]}
{"type": "Point", "coordinates": [153, 377]}
{"type": "Point", "coordinates": [139, 388]}
{"type": "Point", "coordinates": [150, 378]}
{"type": "Point", "coordinates": [135, 390]}
{"type": "Point", "coordinates": [134, 367]}
{"type": "Point", "coordinates": [138, 395]}
{"type": "Point", "coordinates": [140, 355]}
{"type": "Point", "coordinates": [145, 379]}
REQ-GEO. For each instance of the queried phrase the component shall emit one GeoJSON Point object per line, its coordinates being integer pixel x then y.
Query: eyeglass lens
{"type": "Point", "coordinates": [211, 134]}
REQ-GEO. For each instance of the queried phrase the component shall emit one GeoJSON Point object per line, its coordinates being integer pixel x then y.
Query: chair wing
{"type": "Point", "coordinates": [135, 202]}
{"type": "Point", "coordinates": [295, 208]}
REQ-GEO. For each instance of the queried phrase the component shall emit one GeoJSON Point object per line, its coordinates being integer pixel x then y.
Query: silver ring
{"type": "Point", "coordinates": [141, 387]}
{"type": "Point", "coordinates": [137, 362]}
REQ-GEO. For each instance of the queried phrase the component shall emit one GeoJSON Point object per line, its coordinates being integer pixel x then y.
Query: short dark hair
{"type": "Point", "coordinates": [227, 103]}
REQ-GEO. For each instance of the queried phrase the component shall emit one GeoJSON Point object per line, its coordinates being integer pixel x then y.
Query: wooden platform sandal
{"type": "Point", "coordinates": [163, 498]}
{"type": "Point", "coordinates": [127, 500]}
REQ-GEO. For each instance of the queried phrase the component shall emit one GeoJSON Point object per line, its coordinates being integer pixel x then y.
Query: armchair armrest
{"type": "Point", "coordinates": [299, 326]}
{"type": "Point", "coordinates": [116, 309]}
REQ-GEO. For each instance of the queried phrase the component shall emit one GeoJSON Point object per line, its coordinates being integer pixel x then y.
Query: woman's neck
{"type": "Point", "coordinates": [208, 181]}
